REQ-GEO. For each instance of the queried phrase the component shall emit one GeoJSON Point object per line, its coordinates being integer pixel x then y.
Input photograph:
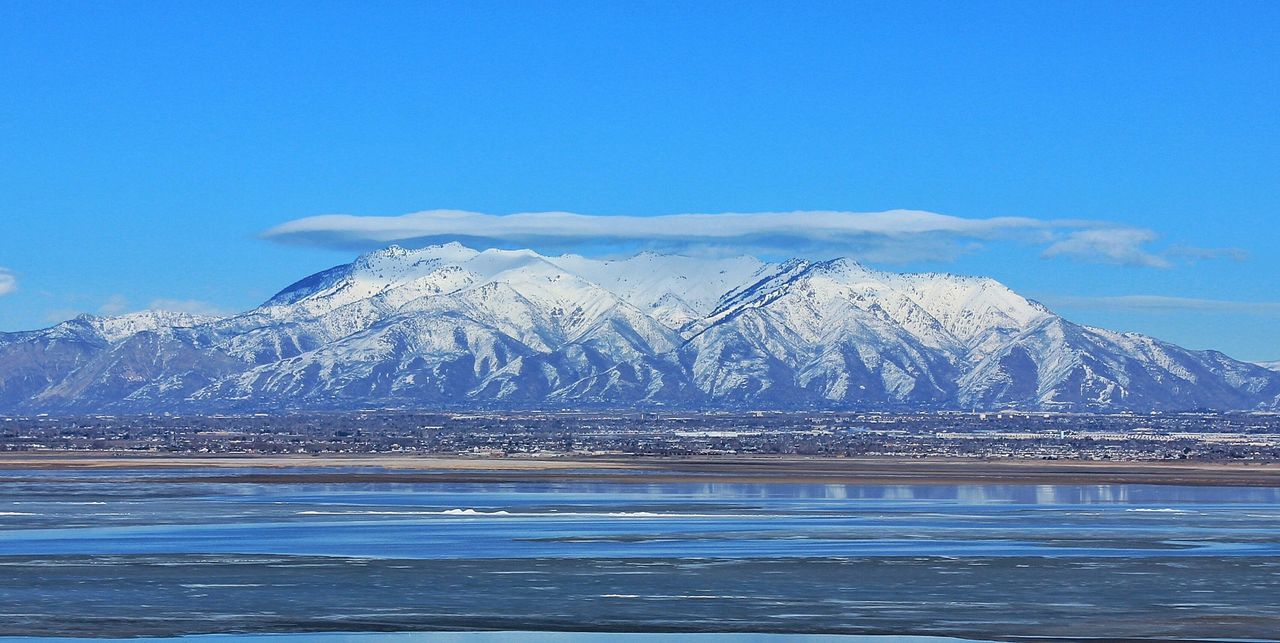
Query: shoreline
{"type": "Point", "coordinates": [276, 469]}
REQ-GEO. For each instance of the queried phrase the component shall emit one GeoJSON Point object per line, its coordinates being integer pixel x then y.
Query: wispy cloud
{"type": "Point", "coordinates": [8, 281]}
{"type": "Point", "coordinates": [1121, 246]}
{"type": "Point", "coordinates": [1193, 254]}
{"type": "Point", "coordinates": [114, 305]}
{"type": "Point", "coordinates": [1160, 303]}
{"type": "Point", "coordinates": [60, 314]}
{"type": "Point", "coordinates": [892, 236]}
{"type": "Point", "coordinates": [193, 306]}
{"type": "Point", "coordinates": [119, 305]}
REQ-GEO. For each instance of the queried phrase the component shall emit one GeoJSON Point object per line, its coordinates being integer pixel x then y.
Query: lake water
{"type": "Point", "coordinates": [145, 553]}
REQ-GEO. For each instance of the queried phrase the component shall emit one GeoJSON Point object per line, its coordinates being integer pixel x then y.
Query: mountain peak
{"type": "Point", "coordinates": [448, 325]}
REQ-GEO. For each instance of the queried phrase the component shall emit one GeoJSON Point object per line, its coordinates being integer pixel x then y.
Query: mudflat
{"type": "Point", "coordinates": [393, 468]}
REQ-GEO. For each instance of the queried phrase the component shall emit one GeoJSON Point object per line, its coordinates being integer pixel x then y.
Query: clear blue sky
{"type": "Point", "coordinates": [144, 146]}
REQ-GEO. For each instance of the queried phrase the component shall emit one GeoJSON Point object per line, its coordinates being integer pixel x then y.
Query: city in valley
{"type": "Point", "coordinates": [1007, 434]}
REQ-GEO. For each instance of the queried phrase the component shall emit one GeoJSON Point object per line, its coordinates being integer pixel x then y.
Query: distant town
{"type": "Point", "coordinates": [1049, 436]}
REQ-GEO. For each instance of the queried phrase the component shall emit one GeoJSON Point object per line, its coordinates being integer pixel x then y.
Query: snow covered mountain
{"type": "Point", "coordinates": [449, 326]}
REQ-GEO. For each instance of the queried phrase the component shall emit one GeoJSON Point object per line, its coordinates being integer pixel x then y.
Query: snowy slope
{"type": "Point", "coordinates": [452, 326]}
{"type": "Point", "coordinates": [674, 289]}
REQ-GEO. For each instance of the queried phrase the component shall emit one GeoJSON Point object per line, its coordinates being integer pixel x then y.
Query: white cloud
{"type": "Point", "coordinates": [533, 227]}
{"type": "Point", "coordinates": [114, 305]}
{"type": "Point", "coordinates": [60, 314]}
{"type": "Point", "coordinates": [1193, 254]}
{"type": "Point", "coordinates": [8, 281]}
{"type": "Point", "coordinates": [892, 236]}
{"type": "Point", "coordinates": [192, 306]}
{"type": "Point", "coordinates": [119, 305]}
{"type": "Point", "coordinates": [1161, 303]}
{"type": "Point", "coordinates": [1123, 246]}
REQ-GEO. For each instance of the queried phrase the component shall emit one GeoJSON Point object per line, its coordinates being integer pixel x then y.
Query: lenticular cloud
{"type": "Point", "coordinates": [895, 235]}
{"type": "Point", "coordinates": [561, 226]}
{"type": "Point", "coordinates": [892, 236]}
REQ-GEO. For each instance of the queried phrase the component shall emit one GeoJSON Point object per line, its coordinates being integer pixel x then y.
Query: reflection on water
{"type": "Point", "coordinates": [522, 636]}
{"type": "Point", "coordinates": [142, 553]}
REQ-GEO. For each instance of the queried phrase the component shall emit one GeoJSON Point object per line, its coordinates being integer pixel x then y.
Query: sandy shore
{"type": "Point", "coordinates": [421, 469]}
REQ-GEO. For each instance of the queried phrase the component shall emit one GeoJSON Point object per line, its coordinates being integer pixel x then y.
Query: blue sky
{"type": "Point", "coordinates": [145, 148]}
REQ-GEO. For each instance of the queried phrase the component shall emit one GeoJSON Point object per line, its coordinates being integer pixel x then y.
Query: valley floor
{"type": "Point", "coordinates": [387, 468]}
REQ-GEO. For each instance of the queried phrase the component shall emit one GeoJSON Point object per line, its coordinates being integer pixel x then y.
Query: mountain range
{"type": "Point", "coordinates": [452, 327]}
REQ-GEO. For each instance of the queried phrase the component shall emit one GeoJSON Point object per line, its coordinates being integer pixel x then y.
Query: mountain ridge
{"type": "Point", "coordinates": [451, 326]}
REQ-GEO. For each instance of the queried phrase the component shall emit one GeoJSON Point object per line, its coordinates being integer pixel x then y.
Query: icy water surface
{"type": "Point", "coordinates": [126, 553]}
{"type": "Point", "coordinates": [506, 637]}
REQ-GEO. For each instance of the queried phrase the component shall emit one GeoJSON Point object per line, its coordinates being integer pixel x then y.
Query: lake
{"type": "Point", "coordinates": [168, 552]}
